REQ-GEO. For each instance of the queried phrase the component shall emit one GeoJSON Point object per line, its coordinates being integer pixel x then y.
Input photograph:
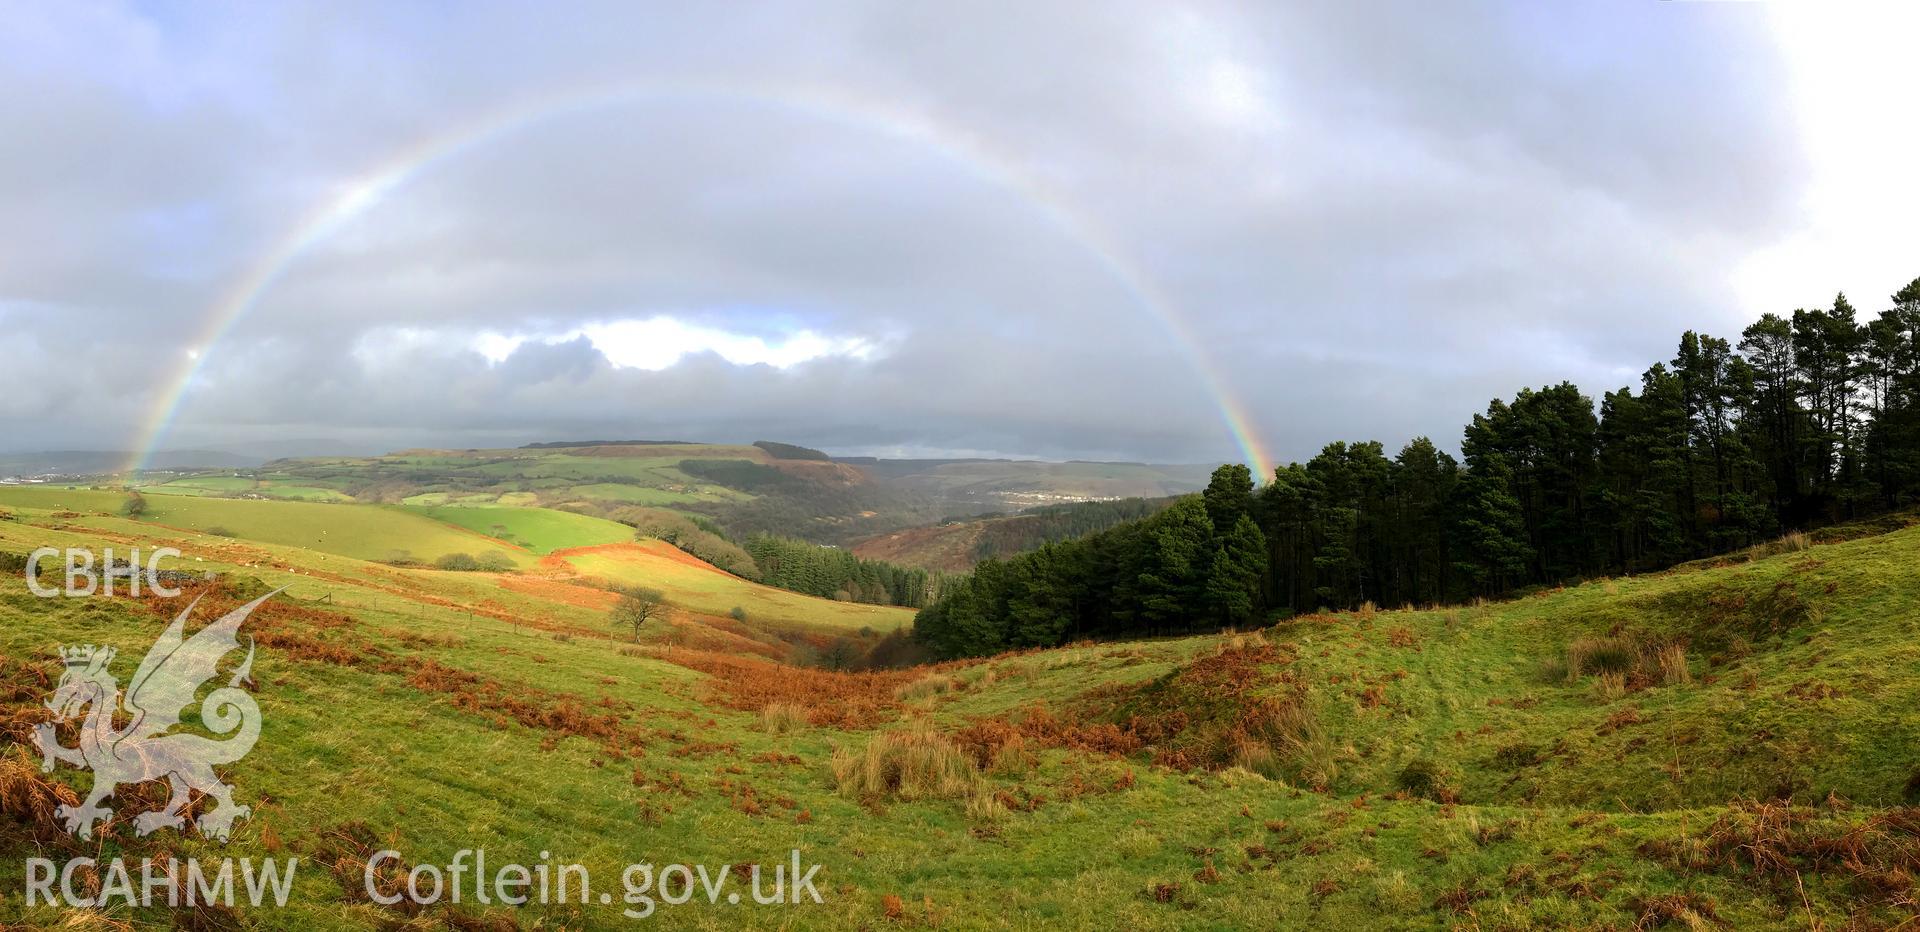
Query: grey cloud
{"type": "Point", "coordinates": [1414, 208]}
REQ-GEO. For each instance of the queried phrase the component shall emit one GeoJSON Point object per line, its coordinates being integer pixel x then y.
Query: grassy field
{"type": "Point", "coordinates": [1721, 747]}
{"type": "Point", "coordinates": [749, 491]}
{"type": "Point", "coordinates": [540, 530]}
{"type": "Point", "coordinates": [362, 532]}
{"type": "Point", "coordinates": [702, 588]}
{"type": "Point", "coordinates": [646, 475]}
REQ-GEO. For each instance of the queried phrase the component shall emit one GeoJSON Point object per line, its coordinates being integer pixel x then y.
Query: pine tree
{"type": "Point", "coordinates": [1492, 535]}
{"type": "Point", "coordinates": [1423, 481]}
{"type": "Point", "coordinates": [1228, 496]}
{"type": "Point", "coordinates": [1233, 577]}
{"type": "Point", "coordinates": [1175, 566]}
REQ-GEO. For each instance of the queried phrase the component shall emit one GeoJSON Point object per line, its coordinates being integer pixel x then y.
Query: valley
{"type": "Point", "coordinates": [1685, 746]}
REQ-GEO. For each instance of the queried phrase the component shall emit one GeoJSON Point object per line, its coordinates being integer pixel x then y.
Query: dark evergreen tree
{"type": "Point", "coordinates": [1233, 577]}
{"type": "Point", "coordinates": [1228, 496]}
{"type": "Point", "coordinates": [1815, 418]}
{"type": "Point", "coordinates": [1171, 576]}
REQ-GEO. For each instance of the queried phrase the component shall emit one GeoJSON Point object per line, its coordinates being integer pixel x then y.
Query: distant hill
{"type": "Point", "coordinates": [767, 487]}
{"type": "Point", "coordinates": [955, 546]}
{"type": "Point", "coordinates": [977, 485]}
{"type": "Point", "coordinates": [96, 462]}
{"type": "Point", "coordinates": [566, 444]}
{"type": "Point", "coordinates": [788, 451]}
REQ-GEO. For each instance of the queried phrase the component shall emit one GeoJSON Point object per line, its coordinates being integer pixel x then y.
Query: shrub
{"type": "Point", "coordinates": [983, 806]}
{"type": "Point", "coordinates": [1309, 752]}
{"type": "Point", "coordinates": [135, 506]}
{"type": "Point", "coordinates": [1780, 608]}
{"type": "Point", "coordinates": [219, 531]}
{"type": "Point", "coordinates": [915, 763]}
{"type": "Point", "coordinates": [982, 675]}
{"type": "Point", "coordinates": [1259, 758]}
{"type": "Point", "coordinates": [1610, 686]}
{"type": "Point", "coordinates": [1673, 670]}
{"type": "Point", "coordinates": [933, 684]}
{"type": "Point", "coordinates": [1792, 542]}
{"type": "Point", "coordinates": [1554, 670]}
{"type": "Point", "coordinates": [839, 654]}
{"type": "Point", "coordinates": [1424, 778]}
{"type": "Point", "coordinates": [738, 613]}
{"type": "Point", "coordinates": [694, 535]}
{"type": "Point", "coordinates": [494, 563]}
{"type": "Point", "coordinates": [897, 649]}
{"type": "Point", "coordinates": [1516, 756]}
{"type": "Point", "coordinates": [457, 562]}
{"type": "Point", "coordinates": [778, 718]}
{"type": "Point", "coordinates": [1598, 655]}
{"type": "Point", "coordinates": [1013, 758]}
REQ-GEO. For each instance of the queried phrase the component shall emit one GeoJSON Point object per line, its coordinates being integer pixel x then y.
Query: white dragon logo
{"type": "Point", "coordinates": [163, 686]}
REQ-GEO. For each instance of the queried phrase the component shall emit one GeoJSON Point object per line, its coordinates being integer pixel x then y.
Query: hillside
{"type": "Point", "coordinates": [1401, 769]}
{"type": "Point", "coordinates": [950, 547]}
{"type": "Point", "coordinates": [81, 462]}
{"type": "Point", "coordinates": [955, 546]}
{"type": "Point", "coordinates": [767, 487]}
{"type": "Point", "coordinates": [357, 532]}
{"type": "Point", "coordinates": [995, 485]}
{"type": "Point", "coordinates": [564, 562]}
{"type": "Point", "coordinates": [699, 586]}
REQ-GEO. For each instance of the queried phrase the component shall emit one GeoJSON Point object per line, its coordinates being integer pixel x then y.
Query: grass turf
{"type": "Point", "coordinates": [1549, 806]}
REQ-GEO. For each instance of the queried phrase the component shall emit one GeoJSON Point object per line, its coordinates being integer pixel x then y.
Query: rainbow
{"type": "Point", "coordinates": [966, 150]}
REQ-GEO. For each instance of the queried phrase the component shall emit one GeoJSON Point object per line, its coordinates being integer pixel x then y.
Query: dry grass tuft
{"type": "Point", "coordinates": [1875, 857]}
{"type": "Point", "coordinates": [1686, 910]}
{"type": "Point", "coordinates": [1309, 750]}
{"type": "Point", "coordinates": [983, 806]}
{"type": "Point", "coordinates": [933, 684]}
{"type": "Point", "coordinates": [1672, 661]}
{"type": "Point", "coordinates": [779, 718]}
{"type": "Point", "coordinates": [1637, 664]}
{"type": "Point", "coordinates": [1424, 778]}
{"type": "Point", "coordinates": [913, 763]}
{"type": "Point", "coordinates": [29, 798]}
{"type": "Point", "coordinates": [1610, 686]}
{"type": "Point", "coordinates": [1258, 757]}
{"type": "Point", "coordinates": [1592, 655]}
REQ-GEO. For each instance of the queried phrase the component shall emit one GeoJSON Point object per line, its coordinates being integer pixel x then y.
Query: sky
{"type": "Point", "coordinates": [1157, 231]}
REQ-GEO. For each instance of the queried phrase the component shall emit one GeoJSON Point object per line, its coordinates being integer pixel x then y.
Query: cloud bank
{"type": "Point", "coordinates": [1368, 219]}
